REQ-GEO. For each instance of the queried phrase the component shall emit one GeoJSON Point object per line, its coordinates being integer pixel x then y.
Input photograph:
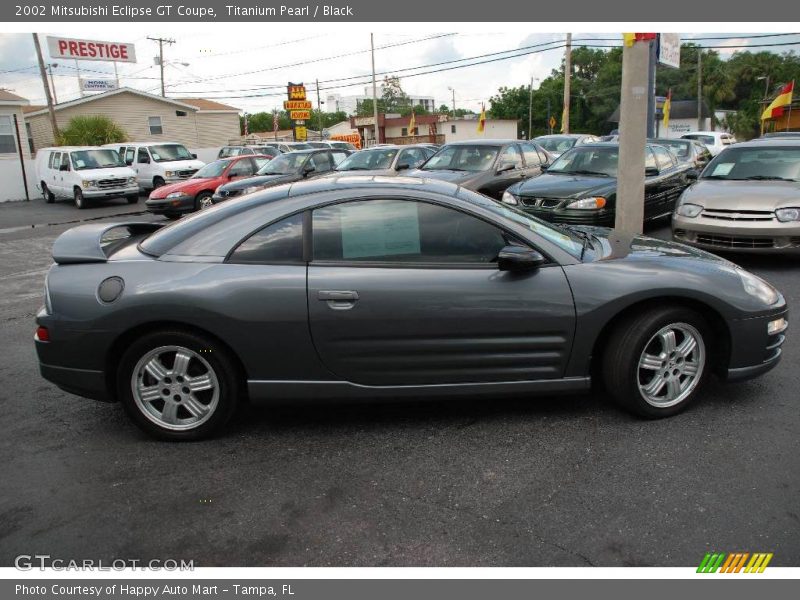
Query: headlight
{"type": "Point", "coordinates": [758, 288]}
{"type": "Point", "coordinates": [131, 180]}
{"type": "Point", "coordinates": [251, 189]}
{"type": "Point", "coordinates": [174, 194]}
{"type": "Point", "coordinates": [169, 173]}
{"type": "Point", "coordinates": [689, 210]}
{"type": "Point", "coordinates": [88, 184]}
{"type": "Point", "coordinates": [592, 203]}
{"type": "Point", "coordinates": [788, 214]}
{"type": "Point", "coordinates": [509, 198]}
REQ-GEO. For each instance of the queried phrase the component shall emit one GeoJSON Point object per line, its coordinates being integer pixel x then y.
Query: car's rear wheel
{"type": "Point", "coordinates": [656, 361]}
{"type": "Point", "coordinates": [203, 201]}
{"type": "Point", "coordinates": [158, 182]}
{"type": "Point", "coordinates": [80, 201]}
{"type": "Point", "coordinates": [178, 385]}
{"type": "Point", "coordinates": [173, 216]}
{"type": "Point", "coordinates": [49, 196]}
{"type": "Point", "coordinates": [133, 199]}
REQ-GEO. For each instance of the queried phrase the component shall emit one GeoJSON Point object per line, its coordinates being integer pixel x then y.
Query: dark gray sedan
{"type": "Point", "coordinates": [373, 287]}
{"type": "Point", "coordinates": [486, 166]}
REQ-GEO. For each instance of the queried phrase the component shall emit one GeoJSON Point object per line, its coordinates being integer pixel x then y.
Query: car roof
{"type": "Point", "coordinates": [670, 140]}
{"type": "Point", "coordinates": [483, 142]}
{"type": "Point", "coordinates": [770, 142]}
{"type": "Point", "coordinates": [563, 135]}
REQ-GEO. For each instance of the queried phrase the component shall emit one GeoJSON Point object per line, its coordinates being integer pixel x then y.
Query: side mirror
{"type": "Point", "coordinates": [309, 169]}
{"type": "Point", "coordinates": [545, 166]}
{"type": "Point", "coordinates": [650, 171]}
{"type": "Point", "coordinates": [692, 175]}
{"type": "Point", "coordinates": [403, 166]}
{"type": "Point", "coordinates": [504, 167]}
{"type": "Point", "coordinates": [194, 155]}
{"type": "Point", "coordinates": [144, 160]}
{"type": "Point", "coordinates": [519, 258]}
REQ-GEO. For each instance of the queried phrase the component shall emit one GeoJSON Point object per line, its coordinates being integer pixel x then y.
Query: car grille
{"type": "Point", "coordinates": [186, 173]}
{"type": "Point", "coordinates": [727, 241]}
{"type": "Point", "coordinates": [738, 215]}
{"type": "Point", "coordinates": [541, 202]}
{"type": "Point", "coordinates": [105, 184]}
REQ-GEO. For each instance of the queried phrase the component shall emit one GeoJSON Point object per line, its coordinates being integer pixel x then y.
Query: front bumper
{"type": "Point", "coordinates": [90, 194]}
{"type": "Point", "coordinates": [603, 217]}
{"type": "Point", "coordinates": [754, 351]}
{"type": "Point", "coordinates": [754, 237]}
{"type": "Point", "coordinates": [217, 198]}
{"type": "Point", "coordinates": [161, 206]}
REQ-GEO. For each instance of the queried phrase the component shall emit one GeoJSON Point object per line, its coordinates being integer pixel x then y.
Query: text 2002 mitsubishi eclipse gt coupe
{"type": "Point", "coordinates": [378, 287]}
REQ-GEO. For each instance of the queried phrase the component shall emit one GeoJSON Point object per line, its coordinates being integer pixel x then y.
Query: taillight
{"type": "Point", "coordinates": [42, 334]}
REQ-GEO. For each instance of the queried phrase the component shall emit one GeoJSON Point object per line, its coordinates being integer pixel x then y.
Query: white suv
{"type": "Point", "coordinates": [157, 164]}
{"type": "Point", "coordinates": [84, 173]}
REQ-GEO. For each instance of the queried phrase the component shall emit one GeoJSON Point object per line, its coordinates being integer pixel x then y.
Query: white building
{"type": "Point", "coordinates": [12, 120]}
{"type": "Point", "coordinates": [456, 130]}
{"type": "Point", "coordinates": [349, 104]}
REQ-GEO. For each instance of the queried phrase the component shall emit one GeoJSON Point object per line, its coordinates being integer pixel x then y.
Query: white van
{"type": "Point", "coordinates": [84, 173]}
{"type": "Point", "coordinates": [157, 164]}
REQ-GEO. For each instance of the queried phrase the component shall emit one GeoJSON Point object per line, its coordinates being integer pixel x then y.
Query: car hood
{"type": "Point", "coordinates": [181, 165]}
{"type": "Point", "coordinates": [187, 186]}
{"type": "Point", "coordinates": [612, 244]}
{"type": "Point", "coordinates": [365, 173]}
{"type": "Point", "coordinates": [259, 180]}
{"type": "Point", "coordinates": [447, 175]}
{"type": "Point", "coordinates": [743, 195]}
{"type": "Point", "coordinates": [564, 186]}
{"type": "Point", "coordinates": [108, 173]}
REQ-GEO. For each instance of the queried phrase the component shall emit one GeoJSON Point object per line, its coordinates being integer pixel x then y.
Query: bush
{"type": "Point", "coordinates": [94, 130]}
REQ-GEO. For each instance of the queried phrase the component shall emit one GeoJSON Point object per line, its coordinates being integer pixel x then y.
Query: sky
{"type": "Point", "coordinates": [229, 66]}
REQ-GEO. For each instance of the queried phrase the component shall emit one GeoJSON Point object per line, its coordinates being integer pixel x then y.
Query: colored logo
{"type": "Point", "coordinates": [735, 562]}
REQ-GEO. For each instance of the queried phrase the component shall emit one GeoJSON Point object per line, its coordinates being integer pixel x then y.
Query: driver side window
{"type": "Point", "coordinates": [403, 231]}
{"type": "Point", "coordinates": [511, 155]}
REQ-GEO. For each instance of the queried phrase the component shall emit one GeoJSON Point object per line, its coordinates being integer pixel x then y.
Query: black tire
{"type": "Point", "coordinates": [216, 358]}
{"type": "Point", "coordinates": [80, 201]}
{"type": "Point", "coordinates": [49, 196]}
{"type": "Point", "coordinates": [202, 198]}
{"type": "Point", "coordinates": [132, 199]}
{"type": "Point", "coordinates": [629, 340]}
{"type": "Point", "coordinates": [173, 216]}
{"type": "Point", "coordinates": [158, 182]}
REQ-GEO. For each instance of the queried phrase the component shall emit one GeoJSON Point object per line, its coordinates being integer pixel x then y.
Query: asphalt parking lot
{"type": "Point", "coordinates": [559, 481]}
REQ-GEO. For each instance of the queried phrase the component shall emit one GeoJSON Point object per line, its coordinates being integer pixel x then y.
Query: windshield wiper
{"type": "Point", "coordinates": [584, 172]}
{"type": "Point", "coordinates": [767, 178]}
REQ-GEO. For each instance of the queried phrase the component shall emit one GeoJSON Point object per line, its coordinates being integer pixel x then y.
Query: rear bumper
{"type": "Point", "coordinates": [160, 206]}
{"type": "Point", "coordinates": [81, 382]}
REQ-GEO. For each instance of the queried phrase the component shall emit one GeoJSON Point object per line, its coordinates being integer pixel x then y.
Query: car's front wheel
{"type": "Point", "coordinates": [656, 361]}
{"type": "Point", "coordinates": [203, 201]}
{"type": "Point", "coordinates": [178, 385]}
{"type": "Point", "coordinates": [80, 201]}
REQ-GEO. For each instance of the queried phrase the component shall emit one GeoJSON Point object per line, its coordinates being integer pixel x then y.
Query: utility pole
{"type": "Point", "coordinates": [42, 72]}
{"type": "Point", "coordinates": [700, 90]}
{"type": "Point", "coordinates": [633, 129]}
{"type": "Point", "coordinates": [161, 42]}
{"type": "Point", "coordinates": [530, 110]}
{"type": "Point", "coordinates": [374, 90]}
{"type": "Point", "coordinates": [567, 77]}
{"type": "Point", "coordinates": [454, 100]}
{"type": "Point", "coordinates": [549, 129]}
{"type": "Point", "coordinates": [52, 80]}
{"type": "Point", "coordinates": [319, 109]}
{"type": "Point", "coordinates": [651, 89]}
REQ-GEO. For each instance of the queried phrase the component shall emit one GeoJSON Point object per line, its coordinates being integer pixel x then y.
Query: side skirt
{"type": "Point", "coordinates": [261, 390]}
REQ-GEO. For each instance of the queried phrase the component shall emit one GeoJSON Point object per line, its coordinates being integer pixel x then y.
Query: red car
{"type": "Point", "coordinates": [195, 193]}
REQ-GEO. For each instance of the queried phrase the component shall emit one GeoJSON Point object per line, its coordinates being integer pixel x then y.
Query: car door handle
{"type": "Point", "coordinates": [338, 299]}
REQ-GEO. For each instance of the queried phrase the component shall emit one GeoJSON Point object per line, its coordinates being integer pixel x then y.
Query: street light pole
{"type": "Point", "coordinates": [374, 90]}
{"type": "Point", "coordinates": [567, 81]}
{"type": "Point", "coordinates": [47, 95]}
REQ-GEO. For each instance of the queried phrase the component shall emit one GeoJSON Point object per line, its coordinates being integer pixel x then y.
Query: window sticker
{"type": "Point", "coordinates": [379, 230]}
{"type": "Point", "coordinates": [79, 164]}
{"type": "Point", "coordinates": [723, 169]}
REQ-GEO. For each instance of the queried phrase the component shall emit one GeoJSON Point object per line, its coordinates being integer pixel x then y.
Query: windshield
{"type": "Point", "coordinates": [557, 145]}
{"type": "Point", "coordinates": [214, 169]}
{"type": "Point", "coordinates": [300, 146]}
{"type": "Point", "coordinates": [679, 148]}
{"type": "Point", "coordinates": [463, 157]}
{"type": "Point", "coordinates": [169, 152]}
{"type": "Point", "coordinates": [367, 160]}
{"type": "Point", "coordinates": [558, 235]}
{"type": "Point", "coordinates": [703, 139]}
{"type": "Point", "coordinates": [588, 160]}
{"type": "Point", "coordinates": [755, 163]}
{"type": "Point", "coordinates": [284, 164]}
{"type": "Point", "coordinates": [95, 159]}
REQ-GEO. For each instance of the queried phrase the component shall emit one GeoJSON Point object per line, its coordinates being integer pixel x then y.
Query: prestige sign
{"type": "Point", "coordinates": [90, 49]}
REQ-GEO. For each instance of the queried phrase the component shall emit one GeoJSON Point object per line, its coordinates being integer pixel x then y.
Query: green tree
{"type": "Point", "coordinates": [91, 130]}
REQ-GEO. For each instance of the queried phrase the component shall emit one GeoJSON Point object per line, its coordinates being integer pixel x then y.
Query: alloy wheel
{"type": "Point", "coordinates": [671, 365]}
{"type": "Point", "coordinates": [175, 388]}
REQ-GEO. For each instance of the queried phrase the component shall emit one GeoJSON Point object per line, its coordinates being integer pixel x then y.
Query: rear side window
{"type": "Point", "coordinates": [55, 160]}
{"type": "Point", "coordinates": [663, 157]}
{"type": "Point", "coordinates": [279, 243]}
{"type": "Point", "coordinates": [129, 155]}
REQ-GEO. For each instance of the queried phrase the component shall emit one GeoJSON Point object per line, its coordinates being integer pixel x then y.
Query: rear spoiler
{"type": "Point", "coordinates": [83, 244]}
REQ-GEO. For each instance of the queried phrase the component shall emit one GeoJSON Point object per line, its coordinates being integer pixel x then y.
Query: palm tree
{"type": "Point", "coordinates": [91, 130]}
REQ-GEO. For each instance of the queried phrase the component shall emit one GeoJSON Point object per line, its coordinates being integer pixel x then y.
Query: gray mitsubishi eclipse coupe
{"type": "Point", "coordinates": [373, 287]}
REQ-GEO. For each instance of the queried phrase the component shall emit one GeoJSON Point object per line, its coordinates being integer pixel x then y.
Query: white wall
{"type": "Point", "coordinates": [11, 176]}
{"type": "Point", "coordinates": [678, 127]}
{"type": "Point", "coordinates": [467, 129]}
